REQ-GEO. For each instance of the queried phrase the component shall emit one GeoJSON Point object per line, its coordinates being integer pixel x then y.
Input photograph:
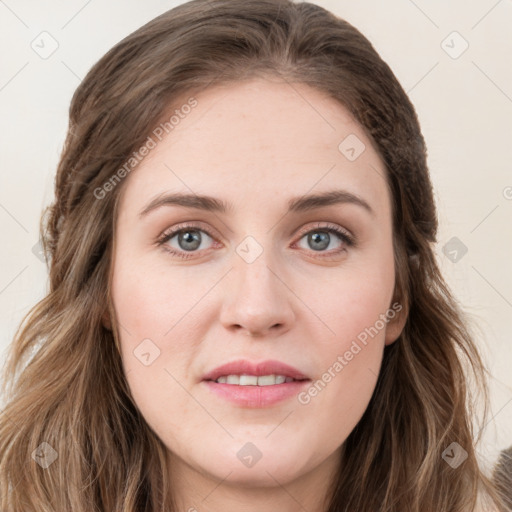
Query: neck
{"type": "Point", "coordinates": [198, 491]}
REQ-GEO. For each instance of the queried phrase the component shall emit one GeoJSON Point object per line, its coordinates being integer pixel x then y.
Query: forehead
{"type": "Point", "coordinates": [261, 138]}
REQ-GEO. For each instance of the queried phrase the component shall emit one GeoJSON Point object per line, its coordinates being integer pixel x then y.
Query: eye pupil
{"type": "Point", "coordinates": [189, 240]}
{"type": "Point", "coordinates": [320, 237]}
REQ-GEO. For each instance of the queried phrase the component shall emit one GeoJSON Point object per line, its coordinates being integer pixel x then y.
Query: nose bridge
{"type": "Point", "coordinates": [257, 299]}
{"type": "Point", "coordinates": [252, 261]}
{"type": "Point", "coordinates": [256, 284]}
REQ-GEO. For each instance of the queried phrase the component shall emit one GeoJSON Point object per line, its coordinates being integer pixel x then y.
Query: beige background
{"type": "Point", "coordinates": [464, 103]}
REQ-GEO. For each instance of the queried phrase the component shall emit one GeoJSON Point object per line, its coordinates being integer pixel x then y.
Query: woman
{"type": "Point", "coordinates": [245, 308]}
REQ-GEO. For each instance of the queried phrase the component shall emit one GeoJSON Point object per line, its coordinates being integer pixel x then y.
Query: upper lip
{"type": "Point", "coordinates": [244, 367]}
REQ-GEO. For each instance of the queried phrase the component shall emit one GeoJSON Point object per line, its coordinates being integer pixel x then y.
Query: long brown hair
{"type": "Point", "coordinates": [67, 396]}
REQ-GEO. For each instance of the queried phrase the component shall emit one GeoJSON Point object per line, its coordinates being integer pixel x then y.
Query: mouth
{"type": "Point", "coordinates": [251, 396]}
{"type": "Point", "coordinates": [255, 385]}
{"type": "Point", "coordinates": [254, 380]}
{"type": "Point", "coordinates": [247, 373]}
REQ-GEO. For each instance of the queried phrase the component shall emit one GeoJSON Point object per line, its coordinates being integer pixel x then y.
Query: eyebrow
{"type": "Point", "coordinates": [296, 205]}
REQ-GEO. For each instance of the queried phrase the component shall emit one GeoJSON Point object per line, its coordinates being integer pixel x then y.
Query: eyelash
{"type": "Point", "coordinates": [349, 240]}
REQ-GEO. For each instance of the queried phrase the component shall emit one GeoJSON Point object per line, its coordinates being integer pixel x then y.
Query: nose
{"type": "Point", "coordinates": [257, 299]}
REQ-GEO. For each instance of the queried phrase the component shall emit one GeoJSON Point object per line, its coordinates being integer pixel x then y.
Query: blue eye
{"type": "Point", "coordinates": [321, 238]}
{"type": "Point", "coordinates": [188, 240]}
{"type": "Point", "coordinates": [191, 237]}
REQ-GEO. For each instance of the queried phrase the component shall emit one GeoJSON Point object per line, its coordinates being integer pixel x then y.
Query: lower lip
{"type": "Point", "coordinates": [256, 396]}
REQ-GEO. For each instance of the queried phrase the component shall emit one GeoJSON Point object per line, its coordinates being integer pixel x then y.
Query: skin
{"type": "Point", "coordinates": [254, 144]}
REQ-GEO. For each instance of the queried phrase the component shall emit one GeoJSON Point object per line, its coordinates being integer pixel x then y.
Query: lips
{"type": "Point", "coordinates": [245, 367]}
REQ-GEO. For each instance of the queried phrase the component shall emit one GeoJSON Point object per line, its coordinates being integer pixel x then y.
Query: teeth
{"type": "Point", "coordinates": [253, 380]}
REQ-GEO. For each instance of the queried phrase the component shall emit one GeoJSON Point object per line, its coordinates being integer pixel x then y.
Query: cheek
{"type": "Point", "coordinates": [148, 301]}
{"type": "Point", "coordinates": [351, 354]}
{"type": "Point", "coordinates": [156, 346]}
{"type": "Point", "coordinates": [354, 307]}
{"type": "Point", "coordinates": [350, 362]}
{"type": "Point", "coordinates": [354, 303]}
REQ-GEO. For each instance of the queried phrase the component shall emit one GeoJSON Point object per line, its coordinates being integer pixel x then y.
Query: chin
{"type": "Point", "coordinates": [258, 463]}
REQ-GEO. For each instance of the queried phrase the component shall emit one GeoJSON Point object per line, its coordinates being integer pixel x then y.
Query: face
{"type": "Point", "coordinates": [275, 275]}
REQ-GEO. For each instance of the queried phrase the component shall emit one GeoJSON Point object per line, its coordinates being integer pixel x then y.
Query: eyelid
{"type": "Point", "coordinates": [166, 235]}
{"type": "Point", "coordinates": [326, 225]}
{"type": "Point", "coordinates": [192, 225]}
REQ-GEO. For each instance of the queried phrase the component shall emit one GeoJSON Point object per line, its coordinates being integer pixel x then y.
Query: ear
{"type": "Point", "coordinates": [105, 320]}
{"type": "Point", "coordinates": [397, 315]}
